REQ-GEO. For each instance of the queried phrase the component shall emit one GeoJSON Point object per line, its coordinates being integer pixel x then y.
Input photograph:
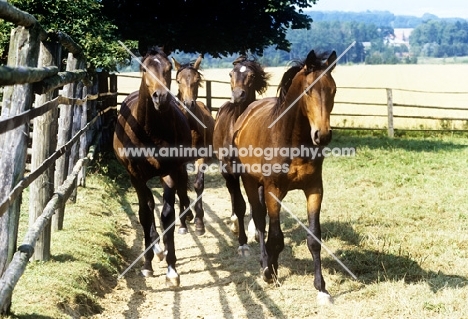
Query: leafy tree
{"type": "Point", "coordinates": [208, 26]}
{"type": "Point", "coordinates": [84, 23]}
{"type": "Point", "coordinates": [436, 38]}
{"type": "Point", "coordinates": [338, 35]}
{"type": "Point", "coordinates": [5, 28]}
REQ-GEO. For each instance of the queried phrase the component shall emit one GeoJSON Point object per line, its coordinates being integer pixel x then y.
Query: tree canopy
{"type": "Point", "coordinates": [82, 21]}
{"type": "Point", "coordinates": [208, 26]}
{"type": "Point", "coordinates": [440, 38]}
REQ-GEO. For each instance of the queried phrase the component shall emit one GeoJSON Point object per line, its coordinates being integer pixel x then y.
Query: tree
{"type": "Point", "coordinates": [83, 22]}
{"type": "Point", "coordinates": [208, 26]}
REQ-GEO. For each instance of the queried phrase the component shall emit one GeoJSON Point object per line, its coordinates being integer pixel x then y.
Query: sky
{"type": "Point", "coordinates": [441, 8]}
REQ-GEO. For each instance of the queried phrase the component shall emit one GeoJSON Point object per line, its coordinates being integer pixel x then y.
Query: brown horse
{"type": "Point", "coordinates": [299, 119]}
{"type": "Point", "coordinates": [150, 121]}
{"type": "Point", "coordinates": [201, 122]}
{"type": "Point", "coordinates": [247, 78]}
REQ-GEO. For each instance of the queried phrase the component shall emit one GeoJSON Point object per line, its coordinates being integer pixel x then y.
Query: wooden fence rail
{"type": "Point", "coordinates": [63, 124]}
{"type": "Point", "coordinates": [393, 109]}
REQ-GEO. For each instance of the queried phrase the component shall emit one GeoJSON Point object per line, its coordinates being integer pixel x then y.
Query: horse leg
{"type": "Point", "coordinates": [238, 207]}
{"type": "Point", "coordinates": [251, 229]}
{"type": "Point", "coordinates": [275, 241]}
{"type": "Point", "coordinates": [146, 217]}
{"type": "Point", "coordinates": [257, 213]}
{"type": "Point", "coordinates": [185, 214]}
{"type": "Point", "coordinates": [168, 224]}
{"type": "Point", "coordinates": [199, 186]}
{"type": "Point", "coordinates": [314, 201]}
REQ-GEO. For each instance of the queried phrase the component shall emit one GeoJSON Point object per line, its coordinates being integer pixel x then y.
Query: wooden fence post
{"type": "Point", "coordinates": [64, 130]}
{"type": "Point", "coordinates": [208, 95]}
{"type": "Point", "coordinates": [83, 140]}
{"type": "Point", "coordinates": [390, 112]}
{"type": "Point", "coordinates": [44, 143]}
{"type": "Point", "coordinates": [24, 51]}
{"type": "Point", "coordinates": [76, 126]}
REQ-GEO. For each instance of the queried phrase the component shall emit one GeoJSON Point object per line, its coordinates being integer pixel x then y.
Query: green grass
{"type": "Point", "coordinates": [447, 60]}
{"type": "Point", "coordinates": [395, 214]}
{"type": "Point", "coordinates": [86, 254]}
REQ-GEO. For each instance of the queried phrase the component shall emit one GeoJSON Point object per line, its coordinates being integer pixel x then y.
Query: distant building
{"type": "Point", "coordinates": [400, 39]}
{"type": "Point", "coordinates": [400, 36]}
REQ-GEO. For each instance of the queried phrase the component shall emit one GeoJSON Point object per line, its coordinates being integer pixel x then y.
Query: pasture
{"type": "Point", "coordinates": [395, 214]}
{"type": "Point", "coordinates": [419, 77]}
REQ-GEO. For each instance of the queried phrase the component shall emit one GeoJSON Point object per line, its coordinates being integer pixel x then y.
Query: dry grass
{"type": "Point", "coordinates": [432, 78]}
{"type": "Point", "coordinates": [395, 214]}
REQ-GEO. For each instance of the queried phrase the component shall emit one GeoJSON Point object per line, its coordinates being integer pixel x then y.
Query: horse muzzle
{"type": "Point", "coordinates": [238, 95]}
{"type": "Point", "coordinates": [190, 105]}
{"type": "Point", "coordinates": [321, 137]}
{"type": "Point", "coordinates": [159, 99]}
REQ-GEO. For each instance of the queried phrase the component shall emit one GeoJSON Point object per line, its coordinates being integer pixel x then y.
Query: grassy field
{"type": "Point", "coordinates": [396, 215]}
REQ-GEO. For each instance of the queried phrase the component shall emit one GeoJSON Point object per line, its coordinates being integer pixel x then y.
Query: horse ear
{"type": "Point", "coordinates": [166, 49]}
{"type": "Point", "coordinates": [176, 64]}
{"type": "Point", "coordinates": [240, 59]}
{"type": "Point", "coordinates": [310, 60]}
{"type": "Point", "coordinates": [331, 60]}
{"type": "Point", "coordinates": [196, 65]}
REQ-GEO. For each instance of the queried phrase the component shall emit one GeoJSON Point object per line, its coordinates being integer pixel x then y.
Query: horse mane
{"type": "Point", "coordinates": [261, 78]}
{"type": "Point", "coordinates": [313, 62]}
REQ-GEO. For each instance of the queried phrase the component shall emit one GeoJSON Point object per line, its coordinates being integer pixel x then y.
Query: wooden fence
{"type": "Point", "coordinates": [393, 112]}
{"type": "Point", "coordinates": [396, 113]}
{"type": "Point", "coordinates": [64, 123]}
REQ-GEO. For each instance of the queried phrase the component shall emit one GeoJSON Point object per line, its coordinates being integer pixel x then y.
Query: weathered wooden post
{"type": "Point", "coordinates": [76, 126]}
{"type": "Point", "coordinates": [208, 95]}
{"type": "Point", "coordinates": [83, 140]}
{"type": "Point", "coordinates": [24, 51]}
{"type": "Point", "coordinates": [44, 143]}
{"type": "Point", "coordinates": [390, 112]}
{"type": "Point", "coordinates": [64, 134]}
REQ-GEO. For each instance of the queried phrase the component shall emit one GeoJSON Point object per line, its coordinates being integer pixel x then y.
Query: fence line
{"type": "Point", "coordinates": [32, 78]}
{"type": "Point", "coordinates": [390, 106]}
{"type": "Point", "coordinates": [26, 250]}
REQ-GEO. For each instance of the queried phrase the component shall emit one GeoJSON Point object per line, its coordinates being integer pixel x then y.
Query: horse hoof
{"type": "Point", "coordinates": [172, 277]}
{"type": "Point", "coordinates": [234, 224]}
{"type": "Point", "coordinates": [147, 273]}
{"type": "Point", "coordinates": [159, 252]}
{"type": "Point", "coordinates": [266, 275]}
{"type": "Point", "coordinates": [324, 299]}
{"type": "Point", "coordinates": [199, 231]}
{"type": "Point", "coordinates": [183, 231]}
{"type": "Point", "coordinates": [199, 226]}
{"type": "Point", "coordinates": [244, 250]}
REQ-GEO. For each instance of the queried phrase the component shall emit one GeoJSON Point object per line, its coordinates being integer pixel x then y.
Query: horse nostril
{"type": "Point", "coordinates": [317, 137]}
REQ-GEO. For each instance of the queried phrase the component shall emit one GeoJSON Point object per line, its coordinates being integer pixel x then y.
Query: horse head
{"type": "Point", "coordinates": [247, 77]}
{"type": "Point", "coordinates": [156, 78]}
{"type": "Point", "coordinates": [189, 80]}
{"type": "Point", "coordinates": [318, 100]}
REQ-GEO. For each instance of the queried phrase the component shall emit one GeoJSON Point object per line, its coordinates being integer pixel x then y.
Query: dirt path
{"type": "Point", "coordinates": [208, 288]}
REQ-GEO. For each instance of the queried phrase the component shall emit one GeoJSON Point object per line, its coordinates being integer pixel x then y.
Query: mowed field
{"type": "Point", "coordinates": [417, 85]}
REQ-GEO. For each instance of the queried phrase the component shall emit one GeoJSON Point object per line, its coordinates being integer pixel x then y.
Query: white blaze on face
{"type": "Point", "coordinates": [243, 68]}
{"type": "Point", "coordinates": [156, 59]}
